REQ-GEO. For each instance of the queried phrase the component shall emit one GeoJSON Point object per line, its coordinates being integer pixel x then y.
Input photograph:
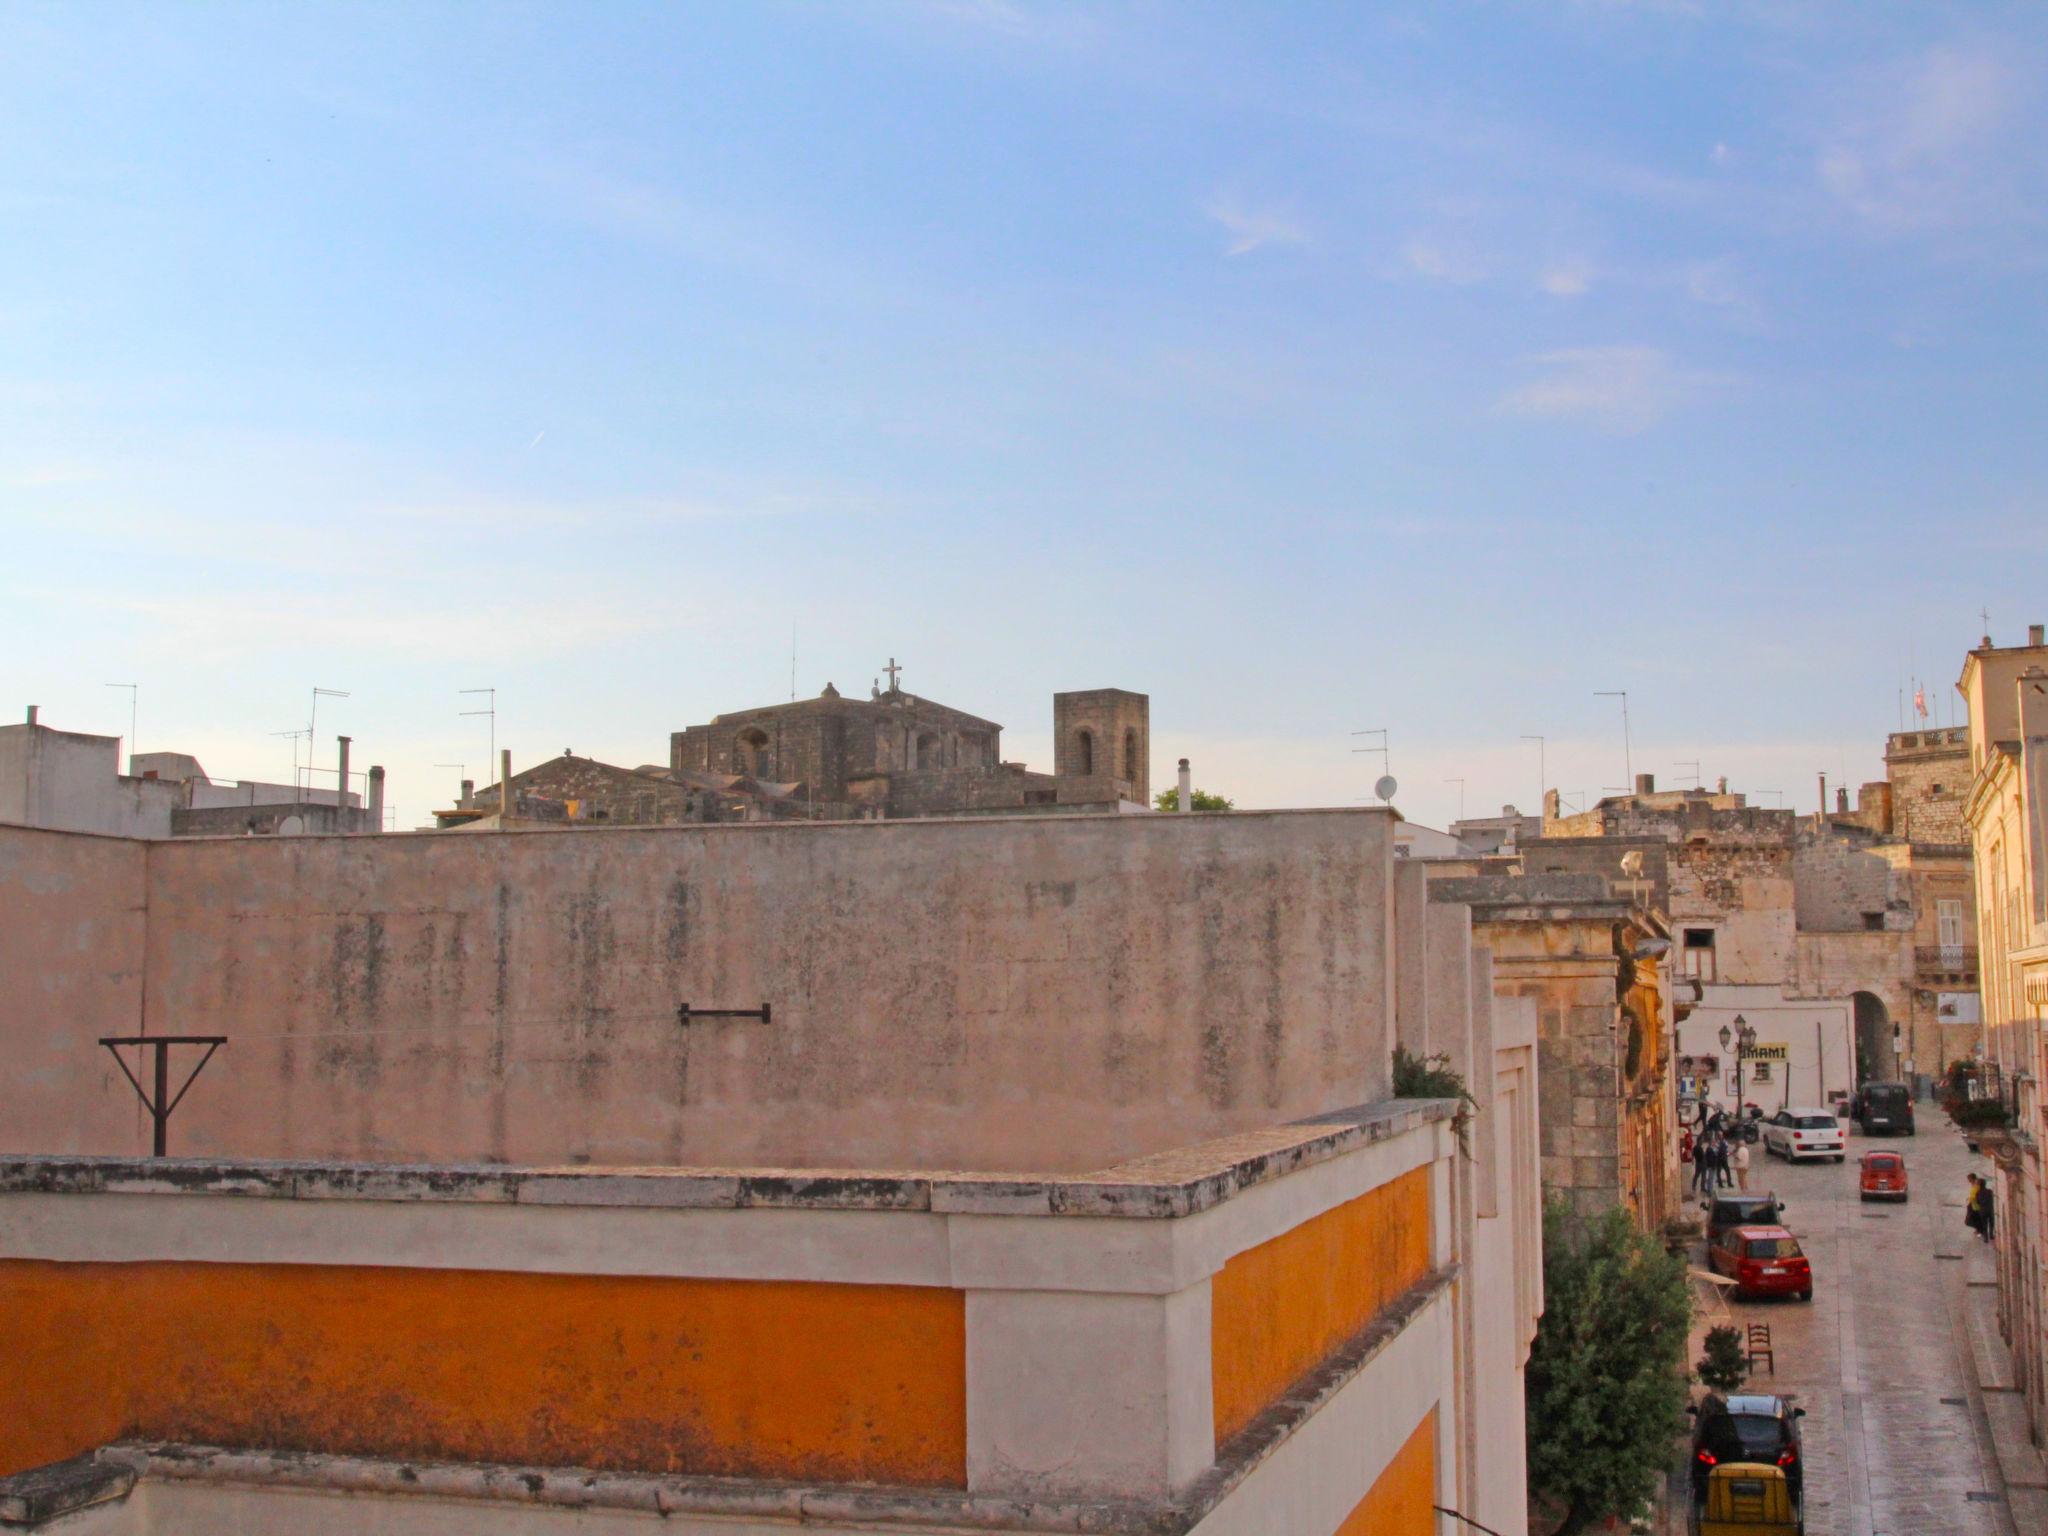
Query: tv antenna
{"type": "Point", "coordinates": [132, 692]}
{"type": "Point", "coordinates": [296, 737]}
{"type": "Point", "coordinates": [1628, 760]}
{"type": "Point", "coordinates": [1386, 786]}
{"type": "Point", "coordinates": [312, 739]}
{"type": "Point", "coordinates": [491, 711]}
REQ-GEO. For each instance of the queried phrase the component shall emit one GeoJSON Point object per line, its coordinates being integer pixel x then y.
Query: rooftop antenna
{"type": "Point", "coordinates": [1542, 773]}
{"type": "Point", "coordinates": [1385, 786]}
{"type": "Point", "coordinates": [1628, 760]}
{"type": "Point", "coordinates": [295, 737]}
{"type": "Point", "coordinates": [312, 720]}
{"type": "Point", "coordinates": [1694, 766]}
{"type": "Point", "coordinates": [132, 692]}
{"type": "Point", "coordinates": [491, 710]}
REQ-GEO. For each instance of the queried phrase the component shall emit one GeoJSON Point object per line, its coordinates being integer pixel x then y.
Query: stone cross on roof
{"type": "Point", "coordinates": [892, 669]}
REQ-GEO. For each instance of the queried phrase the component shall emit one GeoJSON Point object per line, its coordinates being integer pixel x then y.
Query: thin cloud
{"type": "Point", "coordinates": [1621, 389]}
{"type": "Point", "coordinates": [1925, 143]}
{"type": "Point", "coordinates": [1568, 281]}
{"type": "Point", "coordinates": [1254, 228]}
{"type": "Point", "coordinates": [1443, 261]}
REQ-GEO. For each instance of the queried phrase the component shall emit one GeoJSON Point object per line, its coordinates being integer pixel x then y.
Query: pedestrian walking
{"type": "Point", "coordinates": [1702, 1164]}
{"type": "Point", "coordinates": [1742, 1165]}
{"type": "Point", "coordinates": [1973, 1206]}
{"type": "Point", "coordinates": [1724, 1160]}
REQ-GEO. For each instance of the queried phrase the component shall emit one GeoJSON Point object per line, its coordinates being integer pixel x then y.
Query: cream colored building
{"type": "Point", "coordinates": [1000, 1175]}
{"type": "Point", "coordinates": [2007, 692]}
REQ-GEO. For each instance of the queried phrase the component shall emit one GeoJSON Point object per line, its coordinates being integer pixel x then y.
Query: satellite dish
{"type": "Point", "coordinates": [1386, 787]}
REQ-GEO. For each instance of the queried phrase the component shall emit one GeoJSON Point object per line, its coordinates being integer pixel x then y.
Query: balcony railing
{"type": "Point", "coordinates": [1945, 957]}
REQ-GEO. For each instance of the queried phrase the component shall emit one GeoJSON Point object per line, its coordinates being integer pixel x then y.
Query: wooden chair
{"type": "Point", "coordinates": [1758, 1347]}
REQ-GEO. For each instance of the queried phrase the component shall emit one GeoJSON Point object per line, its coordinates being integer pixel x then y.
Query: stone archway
{"type": "Point", "coordinates": [1875, 1060]}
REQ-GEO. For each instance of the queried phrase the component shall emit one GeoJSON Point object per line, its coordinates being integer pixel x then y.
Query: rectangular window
{"type": "Point", "coordinates": [1699, 954]}
{"type": "Point", "coordinates": [1948, 922]}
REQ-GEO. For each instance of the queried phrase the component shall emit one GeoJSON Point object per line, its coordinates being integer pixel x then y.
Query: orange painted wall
{"type": "Point", "coordinates": [1278, 1309]}
{"type": "Point", "coordinates": [736, 1378]}
{"type": "Point", "coordinates": [1402, 1499]}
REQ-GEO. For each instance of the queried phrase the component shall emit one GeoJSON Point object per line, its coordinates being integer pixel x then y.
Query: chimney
{"type": "Point", "coordinates": [1721, 785]}
{"type": "Point", "coordinates": [376, 797]}
{"type": "Point", "coordinates": [1187, 786]}
{"type": "Point", "coordinates": [468, 789]}
{"type": "Point", "coordinates": [342, 770]}
{"type": "Point", "coordinates": [1842, 799]}
{"type": "Point", "coordinates": [1823, 794]}
{"type": "Point", "coordinates": [505, 783]}
{"type": "Point", "coordinates": [1646, 783]}
{"type": "Point", "coordinates": [32, 709]}
{"type": "Point", "coordinates": [2034, 634]}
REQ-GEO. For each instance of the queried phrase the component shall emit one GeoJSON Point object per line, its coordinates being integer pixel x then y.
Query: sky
{"type": "Point", "coordinates": [1315, 369]}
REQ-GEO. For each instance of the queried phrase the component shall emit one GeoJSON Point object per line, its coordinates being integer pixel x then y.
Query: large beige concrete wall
{"type": "Point", "coordinates": [71, 947]}
{"type": "Point", "coordinates": [1049, 994]}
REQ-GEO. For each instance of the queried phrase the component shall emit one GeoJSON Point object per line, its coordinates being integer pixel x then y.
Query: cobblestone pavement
{"type": "Point", "coordinates": [1896, 1439]}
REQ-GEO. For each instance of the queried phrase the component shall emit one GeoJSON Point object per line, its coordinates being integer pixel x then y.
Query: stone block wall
{"type": "Point", "coordinates": [1842, 886]}
{"type": "Point", "coordinates": [1047, 993]}
{"type": "Point", "coordinates": [1930, 777]}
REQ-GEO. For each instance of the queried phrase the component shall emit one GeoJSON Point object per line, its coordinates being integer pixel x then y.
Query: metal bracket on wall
{"type": "Point", "coordinates": [685, 1013]}
{"type": "Point", "coordinates": [161, 1103]}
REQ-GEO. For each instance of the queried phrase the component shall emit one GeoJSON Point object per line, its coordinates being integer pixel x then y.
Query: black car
{"type": "Point", "coordinates": [1730, 1209]}
{"type": "Point", "coordinates": [1885, 1108]}
{"type": "Point", "coordinates": [1748, 1427]}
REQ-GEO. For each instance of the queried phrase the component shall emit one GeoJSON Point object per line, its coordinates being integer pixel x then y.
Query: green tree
{"type": "Point", "coordinates": [1169, 800]}
{"type": "Point", "coordinates": [1606, 1379]}
{"type": "Point", "coordinates": [1723, 1365]}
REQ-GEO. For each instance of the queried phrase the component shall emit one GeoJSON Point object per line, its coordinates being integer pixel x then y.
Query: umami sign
{"type": "Point", "coordinates": [1767, 1053]}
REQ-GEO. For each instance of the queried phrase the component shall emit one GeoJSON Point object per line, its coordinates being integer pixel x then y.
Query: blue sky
{"type": "Point", "coordinates": [1311, 368]}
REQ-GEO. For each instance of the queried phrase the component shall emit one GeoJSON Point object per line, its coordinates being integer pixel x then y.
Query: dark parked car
{"type": "Point", "coordinates": [1885, 1109]}
{"type": "Point", "coordinates": [1748, 1427]}
{"type": "Point", "coordinates": [1741, 1210]}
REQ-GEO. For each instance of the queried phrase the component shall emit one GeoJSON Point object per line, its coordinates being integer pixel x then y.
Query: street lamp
{"type": "Point", "coordinates": [1744, 1038]}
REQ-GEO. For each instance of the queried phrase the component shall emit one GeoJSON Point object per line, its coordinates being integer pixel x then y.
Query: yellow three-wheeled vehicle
{"type": "Point", "coordinates": [1746, 1498]}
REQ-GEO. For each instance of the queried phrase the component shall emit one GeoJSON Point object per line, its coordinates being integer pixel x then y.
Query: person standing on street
{"type": "Point", "coordinates": [1973, 1206]}
{"type": "Point", "coordinates": [1741, 1160]}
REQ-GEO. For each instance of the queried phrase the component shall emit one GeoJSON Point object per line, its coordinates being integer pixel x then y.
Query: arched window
{"type": "Point", "coordinates": [1084, 752]}
{"type": "Point", "coordinates": [750, 753]}
{"type": "Point", "coordinates": [928, 751]}
{"type": "Point", "coordinates": [1131, 756]}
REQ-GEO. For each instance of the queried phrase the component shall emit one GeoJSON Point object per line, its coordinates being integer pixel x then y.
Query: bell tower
{"type": "Point", "coordinates": [1104, 733]}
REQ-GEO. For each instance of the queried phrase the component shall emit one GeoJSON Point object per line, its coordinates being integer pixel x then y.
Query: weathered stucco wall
{"type": "Point", "coordinates": [71, 926]}
{"type": "Point", "coordinates": [1053, 994]}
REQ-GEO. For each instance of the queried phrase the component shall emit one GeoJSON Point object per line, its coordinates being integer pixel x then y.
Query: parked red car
{"type": "Point", "coordinates": [1762, 1261]}
{"type": "Point", "coordinates": [1884, 1176]}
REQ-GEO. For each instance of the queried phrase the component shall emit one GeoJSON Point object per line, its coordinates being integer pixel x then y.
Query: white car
{"type": "Point", "coordinates": [1797, 1133]}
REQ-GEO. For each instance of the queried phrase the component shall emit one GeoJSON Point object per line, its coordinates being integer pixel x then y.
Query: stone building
{"type": "Point", "coordinates": [2006, 811]}
{"type": "Point", "coordinates": [1031, 1174]}
{"type": "Point", "coordinates": [895, 754]}
{"type": "Point", "coordinates": [1591, 959]}
{"type": "Point", "coordinates": [1855, 925]}
{"type": "Point", "coordinates": [582, 790]}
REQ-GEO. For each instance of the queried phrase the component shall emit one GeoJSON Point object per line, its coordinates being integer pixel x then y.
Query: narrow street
{"type": "Point", "coordinates": [1896, 1439]}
